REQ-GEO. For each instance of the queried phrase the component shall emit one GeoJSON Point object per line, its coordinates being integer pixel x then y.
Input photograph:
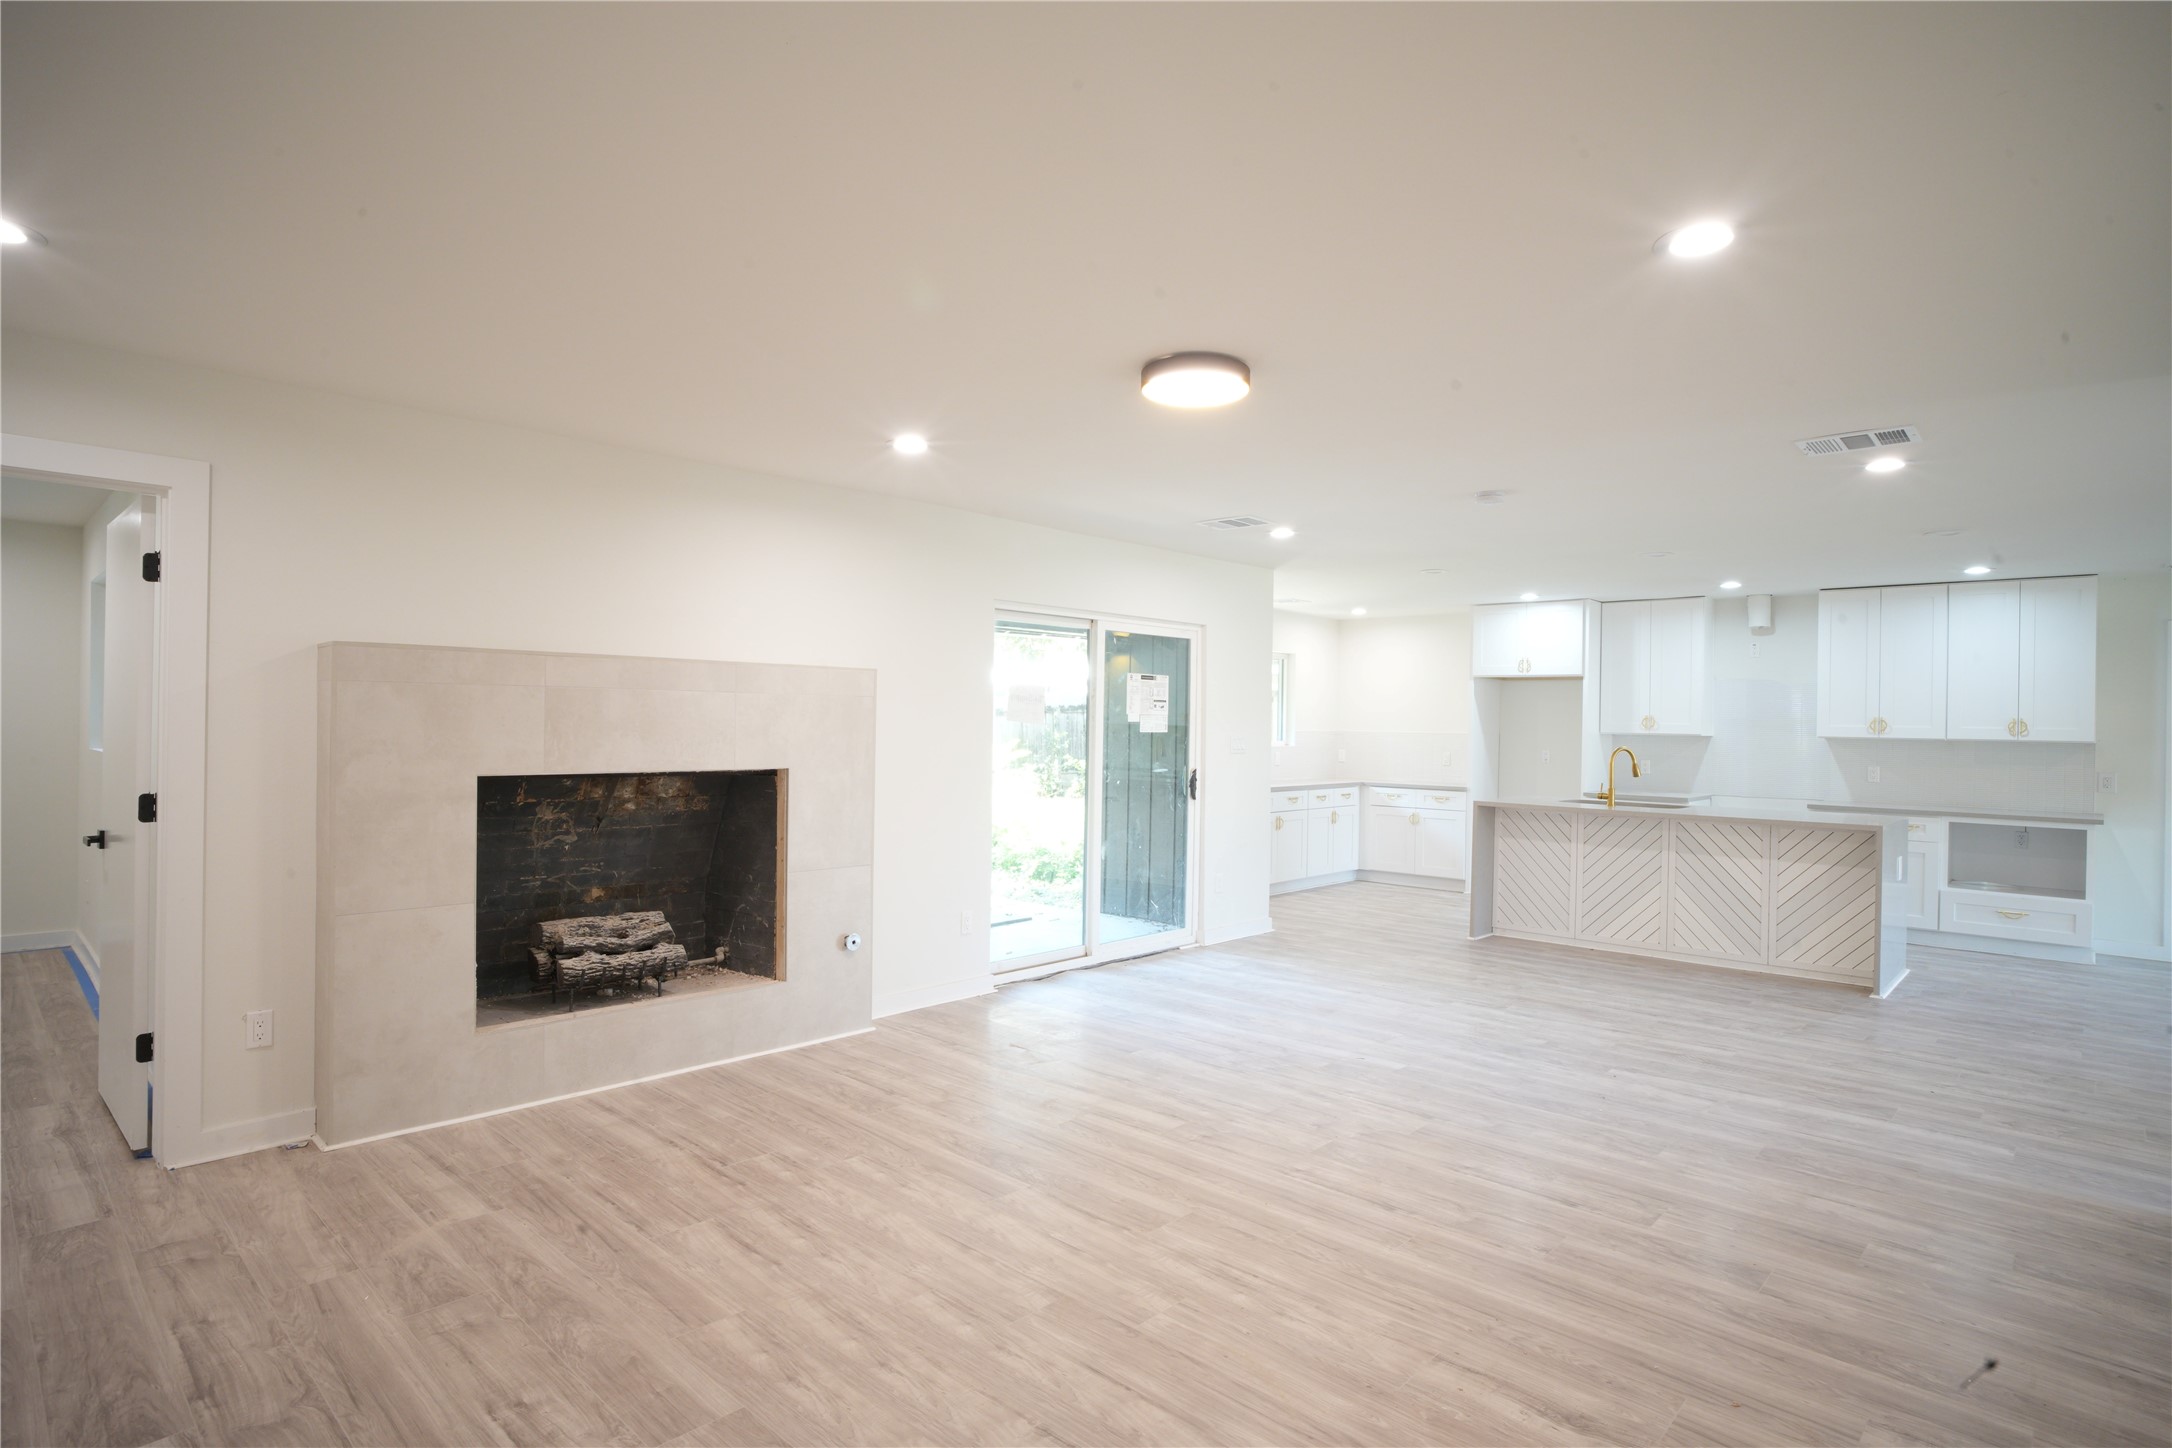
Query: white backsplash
{"type": "Point", "coordinates": [1386, 758]}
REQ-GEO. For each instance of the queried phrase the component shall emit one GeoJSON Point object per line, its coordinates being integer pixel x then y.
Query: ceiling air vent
{"type": "Point", "coordinates": [1245, 521]}
{"type": "Point", "coordinates": [1847, 442]}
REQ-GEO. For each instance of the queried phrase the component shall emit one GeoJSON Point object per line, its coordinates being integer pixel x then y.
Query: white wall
{"type": "Point", "coordinates": [1390, 698]}
{"type": "Point", "coordinates": [40, 635]}
{"type": "Point", "coordinates": [337, 518]}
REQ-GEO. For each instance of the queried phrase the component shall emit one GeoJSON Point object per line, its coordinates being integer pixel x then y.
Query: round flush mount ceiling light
{"type": "Point", "coordinates": [14, 235]}
{"type": "Point", "coordinates": [1282, 534]}
{"type": "Point", "coordinates": [1885, 465]}
{"type": "Point", "coordinates": [1358, 612]}
{"type": "Point", "coordinates": [911, 444]}
{"type": "Point", "coordinates": [1977, 570]}
{"type": "Point", "coordinates": [1699, 238]}
{"type": "Point", "coordinates": [1490, 497]}
{"type": "Point", "coordinates": [1528, 597]}
{"type": "Point", "coordinates": [1732, 583]}
{"type": "Point", "coordinates": [1195, 379]}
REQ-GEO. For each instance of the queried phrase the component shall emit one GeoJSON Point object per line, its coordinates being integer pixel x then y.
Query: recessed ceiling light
{"type": "Point", "coordinates": [1490, 496]}
{"type": "Point", "coordinates": [1432, 572]}
{"type": "Point", "coordinates": [912, 444]}
{"type": "Point", "coordinates": [1941, 532]}
{"type": "Point", "coordinates": [1528, 597]}
{"type": "Point", "coordinates": [1732, 583]}
{"type": "Point", "coordinates": [1282, 533]}
{"type": "Point", "coordinates": [1699, 238]}
{"type": "Point", "coordinates": [13, 235]}
{"type": "Point", "coordinates": [1359, 612]}
{"type": "Point", "coordinates": [1195, 379]}
{"type": "Point", "coordinates": [1885, 465]}
{"type": "Point", "coordinates": [1977, 570]}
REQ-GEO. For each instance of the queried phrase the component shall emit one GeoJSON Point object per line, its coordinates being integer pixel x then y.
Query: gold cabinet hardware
{"type": "Point", "coordinates": [2013, 914]}
{"type": "Point", "coordinates": [1443, 799]}
{"type": "Point", "coordinates": [2013, 728]}
{"type": "Point", "coordinates": [2024, 728]}
{"type": "Point", "coordinates": [1649, 722]}
{"type": "Point", "coordinates": [1879, 726]}
{"type": "Point", "coordinates": [1413, 816]}
{"type": "Point", "coordinates": [1278, 822]}
{"type": "Point", "coordinates": [1333, 818]}
{"type": "Point", "coordinates": [1390, 794]}
{"type": "Point", "coordinates": [1915, 827]}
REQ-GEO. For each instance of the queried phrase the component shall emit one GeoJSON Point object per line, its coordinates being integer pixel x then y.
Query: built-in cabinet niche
{"type": "Point", "coordinates": [1531, 640]}
{"type": "Point", "coordinates": [2014, 660]}
{"type": "Point", "coordinates": [1652, 666]}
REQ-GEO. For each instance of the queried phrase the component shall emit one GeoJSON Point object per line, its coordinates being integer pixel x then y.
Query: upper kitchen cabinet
{"type": "Point", "coordinates": [1531, 640]}
{"type": "Point", "coordinates": [1652, 666]}
{"type": "Point", "coordinates": [1882, 662]}
{"type": "Point", "coordinates": [2024, 660]}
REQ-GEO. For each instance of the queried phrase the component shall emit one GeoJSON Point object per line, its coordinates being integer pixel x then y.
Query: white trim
{"type": "Point", "coordinates": [1265, 925]}
{"type": "Point", "coordinates": [2157, 954]}
{"type": "Point", "coordinates": [1313, 882]}
{"type": "Point", "coordinates": [1448, 884]}
{"type": "Point", "coordinates": [323, 1145]}
{"type": "Point", "coordinates": [898, 1002]}
{"type": "Point", "coordinates": [288, 1128]}
{"type": "Point", "coordinates": [41, 940]}
{"type": "Point", "coordinates": [1994, 945]}
{"type": "Point", "coordinates": [177, 985]}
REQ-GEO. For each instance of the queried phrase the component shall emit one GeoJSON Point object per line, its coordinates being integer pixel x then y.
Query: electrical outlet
{"type": "Point", "coordinates": [1874, 774]}
{"type": "Point", "coordinates": [965, 922]}
{"type": "Point", "coordinates": [1546, 756]}
{"type": "Point", "coordinates": [1342, 756]}
{"type": "Point", "coordinates": [258, 1030]}
{"type": "Point", "coordinates": [1754, 647]}
{"type": "Point", "coordinates": [2107, 784]}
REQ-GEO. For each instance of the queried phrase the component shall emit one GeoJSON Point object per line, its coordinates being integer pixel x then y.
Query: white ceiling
{"type": "Point", "coordinates": [774, 235]}
{"type": "Point", "coordinates": [38, 500]}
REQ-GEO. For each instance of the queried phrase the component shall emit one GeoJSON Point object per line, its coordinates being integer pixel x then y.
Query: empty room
{"type": "Point", "coordinates": [1085, 723]}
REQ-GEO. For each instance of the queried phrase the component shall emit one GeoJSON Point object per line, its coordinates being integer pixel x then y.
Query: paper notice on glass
{"type": "Point", "coordinates": [1028, 704]}
{"type": "Point", "coordinates": [1146, 702]}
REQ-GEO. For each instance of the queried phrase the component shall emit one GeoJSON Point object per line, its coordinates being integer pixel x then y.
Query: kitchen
{"type": "Point", "coordinates": [1994, 745]}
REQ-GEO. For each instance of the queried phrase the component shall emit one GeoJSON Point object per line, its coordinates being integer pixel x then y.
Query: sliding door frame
{"type": "Point", "coordinates": [1093, 951]}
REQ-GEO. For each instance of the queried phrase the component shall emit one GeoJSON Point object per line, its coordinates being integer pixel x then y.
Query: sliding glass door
{"type": "Point", "coordinates": [1095, 826]}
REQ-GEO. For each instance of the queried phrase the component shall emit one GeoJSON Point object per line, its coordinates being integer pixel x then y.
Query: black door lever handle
{"type": "Point", "coordinates": [99, 839]}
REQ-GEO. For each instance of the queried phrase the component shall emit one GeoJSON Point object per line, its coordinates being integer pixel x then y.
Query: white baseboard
{"type": "Point", "coordinates": [1992, 945]}
{"type": "Point", "coordinates": [897, 1002]}
{"type": "Point", "coordinates": [215, 1143]}
{"type": "Point", "coordinates": [573, 1095]}
{"type": "Point", "coordinates": [1415, 882]}
{"type": "Point", "coordinates": [38, 940]}
{"type": "Point", "coordinates": [2157, 954]}
{"type": "Point", "coordinates": [1313, 882]}
{"type": "Point", "coordinates": [1265, 925]}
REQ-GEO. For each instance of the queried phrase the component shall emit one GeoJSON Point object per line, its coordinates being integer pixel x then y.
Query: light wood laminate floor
{"type": "Point", "coordinates": [1357, 1181]}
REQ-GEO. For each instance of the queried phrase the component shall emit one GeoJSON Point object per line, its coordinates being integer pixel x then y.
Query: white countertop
{"type": "Point", "coordinates": [1767, 813]}
{"type": "Point", "coordinates": [1364, 783]}
{"type": "Point", "coordinates": [1999, 816]}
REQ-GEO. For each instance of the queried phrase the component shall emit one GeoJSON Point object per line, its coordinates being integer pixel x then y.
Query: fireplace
{"type": "Point", "coordinates": [686, 862]}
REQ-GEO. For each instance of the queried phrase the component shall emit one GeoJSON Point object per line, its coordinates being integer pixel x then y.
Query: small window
{"type": "Point", "coordinates": [96, 670]}
{"type": "Point", "coordinates": [1284, 733]}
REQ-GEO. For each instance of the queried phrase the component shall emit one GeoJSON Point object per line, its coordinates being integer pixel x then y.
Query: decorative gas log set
{"type": "Point", "coordinates": [607, 953]}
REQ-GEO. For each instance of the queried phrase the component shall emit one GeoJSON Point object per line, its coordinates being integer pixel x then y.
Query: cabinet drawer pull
{"type": "Point", "coordinates": [1443, 798]}
{"type": "Point", "coordinates": [1278, 822]}
{"type": "Point", "coordinates": [2013, 914]}
{"type": "Point", "coordinates": [1414, 817]}
{"type": "Point", "coordinates": [1879, 726]}
{"type": "Point", "coordinates": [1915, 829]}
{"type": "Point", "coordinates": [1390, 794]}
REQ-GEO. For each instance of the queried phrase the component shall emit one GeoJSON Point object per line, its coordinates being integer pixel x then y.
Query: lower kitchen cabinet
{"type": "Point", "coordinates": [1440, 844]}
{"type": "Point", "coordinates": [1386, 831]}
{"type": "Point", "coordinates": [1926, 872]}
{"type": "Point", "coordinates": [1331, 840]}
{"type": "Point", "coordinates": [1286, 851]}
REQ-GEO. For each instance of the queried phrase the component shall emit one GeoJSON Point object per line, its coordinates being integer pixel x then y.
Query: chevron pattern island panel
{"type": "Point", "coordinates": [1621, 880]}
{"type": "Point", "coordinates": [1825, 900]}
{"type": "Point", "coordinates": [1535, 881]}
{"type": "Point", "coordinates": [1719, 889]}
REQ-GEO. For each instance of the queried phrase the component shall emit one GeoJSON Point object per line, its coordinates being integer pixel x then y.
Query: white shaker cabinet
{"type": "Point", "coordinates": [1391, 844]}
{"type": "Point", "coordinates": [1652, 666]}
{"type": "Point", "coordinates": [1439, 844]}
{"type": "Point", "coordinates": [1529, 640]}
{"type": "Point", "coordinates": [1286, 855]}
{"type": "Point", "coordinates": [2023, 660]}
{"type": "Point", "coordinates": [1882, 662]}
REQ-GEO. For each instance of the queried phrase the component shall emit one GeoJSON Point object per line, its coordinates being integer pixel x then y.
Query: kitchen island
{"type": "Point", "coordinates": [1776, 888]}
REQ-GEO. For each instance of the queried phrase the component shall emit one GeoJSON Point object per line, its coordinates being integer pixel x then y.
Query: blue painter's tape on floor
{"type": "Point", "coordinates": [82, 978]}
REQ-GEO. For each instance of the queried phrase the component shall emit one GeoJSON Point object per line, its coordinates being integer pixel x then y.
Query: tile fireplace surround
{"type": "Point", "coordinates": [404, 732]}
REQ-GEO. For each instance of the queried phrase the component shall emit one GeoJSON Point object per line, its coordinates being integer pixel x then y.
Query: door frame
{"type": "Point", "coordinates": [1093, 952]}
{"type": "Point", "coordinates": [182, 663]}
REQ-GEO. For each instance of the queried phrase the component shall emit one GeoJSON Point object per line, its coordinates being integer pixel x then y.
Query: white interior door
{"type": "Point", "coordinates": [127, 864]}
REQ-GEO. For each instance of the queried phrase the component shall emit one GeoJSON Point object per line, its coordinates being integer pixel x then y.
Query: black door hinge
{"type": "Point", "coordinates": [146, 809]}
{"type": "Point", "coordinates": [143, 1046]}
{"type": "Point", "coordinates": [152, 567]}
